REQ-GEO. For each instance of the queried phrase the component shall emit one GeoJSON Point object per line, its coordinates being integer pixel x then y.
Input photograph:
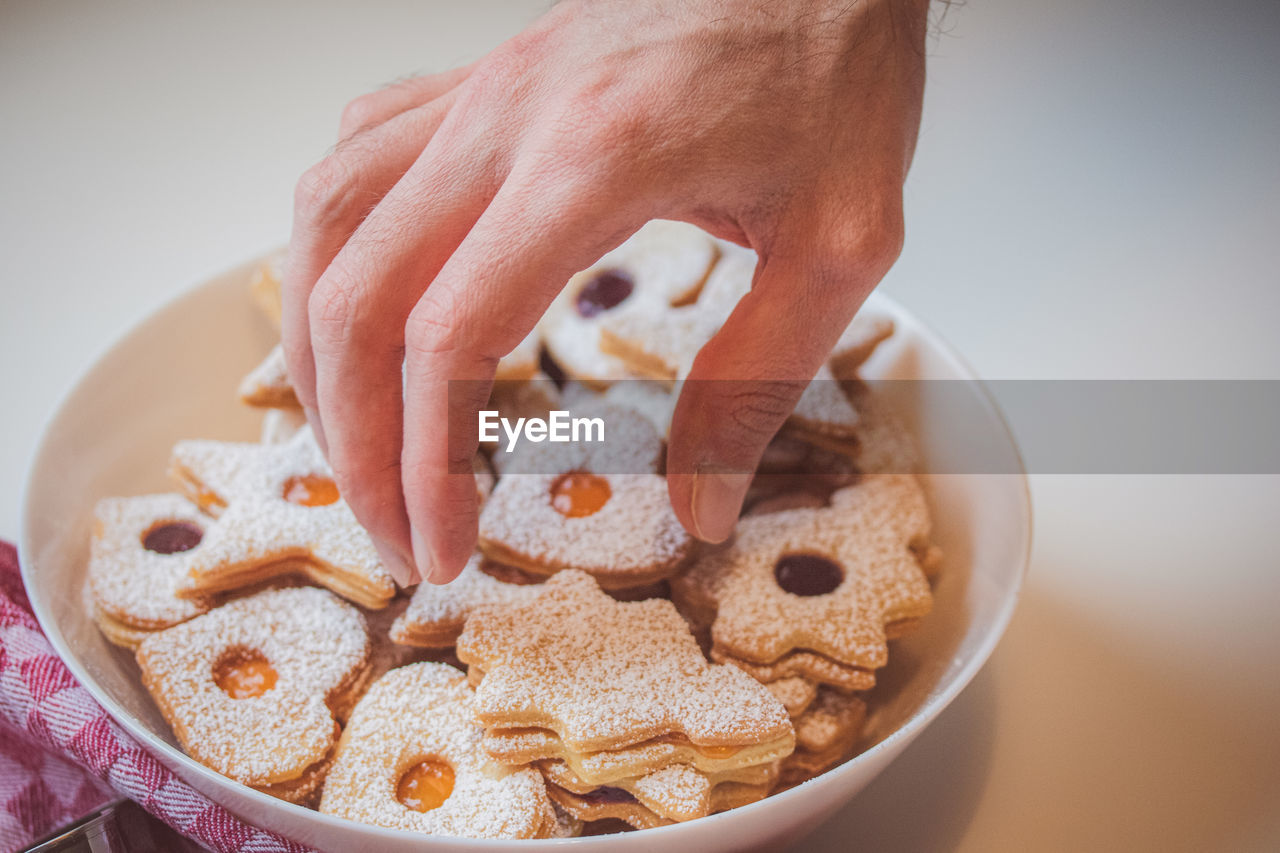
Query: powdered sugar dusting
{"type": "Point", "coordinates": [130, 583]}
{"type": "Point", "coordinates": [868, 531]}
{"type": "Point", "coordinates": [605, 674]}
{"type": "Point", "coordinates": [419, 711]}
{"type": "Point", "coordinates": [436, 613]}
{"type": "Point", "coordinates": [268, 384]}
{"type": "Point", "coordinates": [315, 643]}
{"type": "Point", "coordinates": [634, 538]}
{"type": "Point", "coordinates": [666, 261]}
{"type": "Point", "coordinates": [261, 532]}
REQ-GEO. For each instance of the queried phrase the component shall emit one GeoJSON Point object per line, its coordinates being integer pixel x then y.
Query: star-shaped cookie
{"type": "Point", "coordinates": [604, 675]}
{"type": "Point", "coordinates": [279, 513]}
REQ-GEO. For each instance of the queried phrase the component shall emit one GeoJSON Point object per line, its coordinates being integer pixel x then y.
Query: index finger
{"type": "Point", "coordinates": [487, 297]}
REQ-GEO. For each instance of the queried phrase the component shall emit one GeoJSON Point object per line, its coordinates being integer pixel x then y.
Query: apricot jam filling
{"type": "Point", "coordinates": [244, 673]}
{"type": "Point", "coordinates": [425, 785]}
{"type": "Point", "coordinates": [579, 494]}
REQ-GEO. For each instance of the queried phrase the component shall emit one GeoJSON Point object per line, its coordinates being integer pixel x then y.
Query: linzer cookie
{"type": "Point", "coordinates": [651, 398]}
{"type": "Point", "coordinates": [532, 398]}
{"type": "Point", "coordinates": [268, 385]}
{"type": "Point", "coordinates": [885, 445]}
{"type": "Point", "coordinates": [817, 592]}
{"type": "Point", "coordinates": [279, 513]}
{"type": "Point", "coordinates": [795, 694]}
{"type": "Point", "coordinates": [811, 666]}
{"type": "Point", "coordinates": [522, 362]}
{"type": "Point", "coordinates": [858, 342]}
{"type": "Point", "coordinates": [823, 415]}
{"type": "Point", "coordinates": [661, 265]}
{"type": "Point", "coordinates": [608, 767]}
{"type": "Point", "coordinates": [572, 510]}
{"type": "Point", "coordinates": [280, 425]}
{"type": "Point", "coordinates": [793, 473]}
{"type": "Point", "coordinates": [661, 341]}
{"type": "Point", "coordinates": [409, 760]}
{"type": "Point", "coordinates": [140, 553]}
{"type": "Point", "coordinates": [254, 689]}
{"type": "Point", "coordinates": [825, 733]}
{"type": "Point", "coordinates": [675, 793]}
{"type": "Point", "coordinates": [604, 676]}
{"type": "Point", "coordinates": [436, 613]}
{"type": "Point", "coordinates": [266, 286]}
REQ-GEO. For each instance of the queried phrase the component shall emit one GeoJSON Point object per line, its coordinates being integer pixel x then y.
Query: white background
{"type": "Point", "coordinates": [1096, 195]}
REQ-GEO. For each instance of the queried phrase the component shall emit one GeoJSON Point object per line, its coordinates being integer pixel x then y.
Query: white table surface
{"type": "Point", "coordinates": [1096, 195]}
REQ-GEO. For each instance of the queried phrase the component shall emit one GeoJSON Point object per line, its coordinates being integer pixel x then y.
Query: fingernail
{"type": "Point", "coordinates": [317, 429]}
{"type": "Point", "coordinates": [401, 570]}
{"type": "Point", "coordinates": [717, 500]}
{"type": "Point", "coordinates": [422, 558]}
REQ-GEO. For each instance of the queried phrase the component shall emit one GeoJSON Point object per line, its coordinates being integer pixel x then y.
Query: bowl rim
{"type": "Point", "coordinates": [933, 705]}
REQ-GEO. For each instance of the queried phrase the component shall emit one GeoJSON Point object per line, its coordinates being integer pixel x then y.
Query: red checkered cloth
{"type": "Point", "coordinates": [61, 755]}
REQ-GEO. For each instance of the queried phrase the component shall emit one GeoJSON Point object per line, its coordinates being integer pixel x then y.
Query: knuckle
{"type": "Point", "coordinates": [328, 191]}
{"type": "Point", "coordinates": [431, 329]}
{"type": "Point", "coordinates": [334, 309]}
{"type": "Point", "coordinates": [444, 322]}
{"type": "Point", "coordinates": [360, 113]}
{"type": "Point", "coordinates": [507, 68]}
{"type": "Point", "coordinates": [871, 242]}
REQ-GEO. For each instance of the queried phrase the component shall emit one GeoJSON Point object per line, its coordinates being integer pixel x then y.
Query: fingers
{"type": "Point", "coordinates": [331, 201]}
{"type": "Point", "coordinates": [747, 379]}
{"type": "Point", "coordinates": [532, 239]}
{"type": "Point", "coordinates": [374, 108]}
{"type": "Point", "coordinates": [358, 312]}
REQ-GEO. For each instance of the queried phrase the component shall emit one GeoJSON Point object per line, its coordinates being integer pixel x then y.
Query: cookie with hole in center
{"type": "Point", "coordinates": [661, 344]}
{"type": "Point", "coordinates": [409, 759]}
{"type": "Point", "coordinates": [830, 583]}
{"type": "Point", "coordinates": [255, 689]}
{"type": "Point", "coordinates": [139, 555]}
{"type": "Point", "coordinates": [600, 507]}
{"type": "Point", "coordinates": [663, 264]}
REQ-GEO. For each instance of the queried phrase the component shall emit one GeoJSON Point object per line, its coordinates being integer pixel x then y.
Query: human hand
{"type": "Point", "coordinates": [457, 205]}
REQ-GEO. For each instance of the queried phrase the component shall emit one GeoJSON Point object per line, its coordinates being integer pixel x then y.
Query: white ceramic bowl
{"type": "Point", "coordinates": [175, 377]}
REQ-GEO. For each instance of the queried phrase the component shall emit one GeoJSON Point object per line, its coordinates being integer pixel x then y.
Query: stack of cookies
{"type": "Point", "coordinates": [615, 704]}
{"type": "Point", "coordinates": [593, 667]}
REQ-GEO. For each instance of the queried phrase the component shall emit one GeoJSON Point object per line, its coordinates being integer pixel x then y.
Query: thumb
{"type": "Point", "coordinates": [747, 379]}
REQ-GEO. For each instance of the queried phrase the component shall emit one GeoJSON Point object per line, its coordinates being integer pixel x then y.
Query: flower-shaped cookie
{"type": "Point", "coordinates": [254, 689]}
{"type": "Point", "coordinates": [662, 341]}
{"type": "Point", "coordinates": [831, 583]}
{"type": "Point", "coordinates": [661, 344]}
{"type": "Point", "coordinates": [599, 507]}
{"type": "Point", "coordinates": [605, 675]}
{"type": "Point", "coordinates": [279, 512]}
{"type": "Point", "coordinates": [409, 759]}
{"type": "Point", "coordinates": [140, 553]}
{"type": "Point", "coordinates": [663, 264]}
